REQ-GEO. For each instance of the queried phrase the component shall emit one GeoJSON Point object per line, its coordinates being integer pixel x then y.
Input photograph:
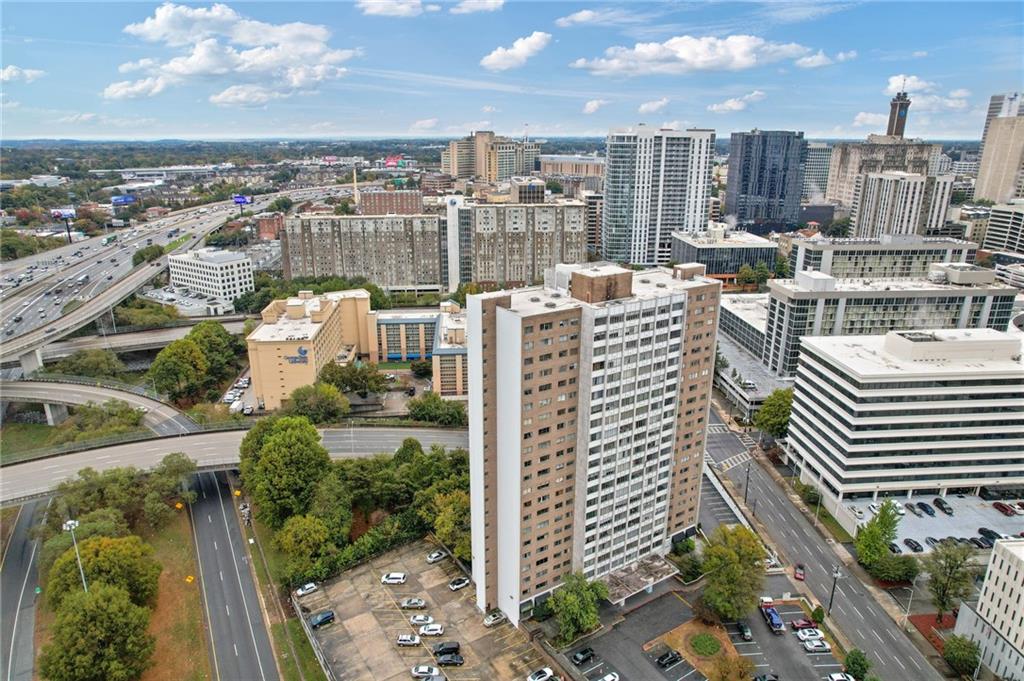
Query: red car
{"type": "Point", "coordinates": [802, 624]}
{"type": "Point", "coordinates": [1005, 509]}
{"type": "Point", "coordinates": [798, 572]}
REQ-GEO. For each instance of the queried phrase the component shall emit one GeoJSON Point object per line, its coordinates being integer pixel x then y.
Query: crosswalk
{"type": "Point", "coordinates": [746, 440]}
{"type": "Point", "coordinates": [733, 461]}
{"type": "Point", "coordinates": [718, 428]}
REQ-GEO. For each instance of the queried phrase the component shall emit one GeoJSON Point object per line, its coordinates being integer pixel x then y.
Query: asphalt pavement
{"type": "Point", "coordinates": [18, 581]}
{"type": "Point", "coordinates": [237, 633]}
{"type": "Point", "coordinates": [855, 612]}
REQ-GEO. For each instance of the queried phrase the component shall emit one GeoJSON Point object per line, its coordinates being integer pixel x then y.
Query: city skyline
{"type": "Point", "coordinates": [367, 68]}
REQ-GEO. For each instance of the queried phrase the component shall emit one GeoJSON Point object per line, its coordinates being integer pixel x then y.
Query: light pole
{"type": "Point", "coordinates": [835, 578]}
{"type": "Point", "coordinates": [69, 526]}
{"type": "Point", "coordinates": [746, 483]}
{"type": "Point", "coordinates": [913, 586]}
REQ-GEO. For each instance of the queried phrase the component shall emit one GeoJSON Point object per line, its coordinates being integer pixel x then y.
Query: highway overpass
{"type": "Point", "coordinates": [211, 451]}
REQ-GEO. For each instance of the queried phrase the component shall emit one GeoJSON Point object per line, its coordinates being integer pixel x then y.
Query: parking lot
{"type": "Point", "coordinates": [713, 511]}
{"type": "Point", "coordinates": [360, 644]}
{"type": "Point", "coordinates": [782, 654]}
{"type": "Point", "coordinates": [969, 513]}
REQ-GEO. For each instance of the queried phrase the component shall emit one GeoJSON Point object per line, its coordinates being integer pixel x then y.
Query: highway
{"type": "Point", "coordinates": [161, 418]}
{"type": "Point", "coordinates": [855, 613]}
{"type": "Point", "coordinates": [18, 581]}
{"type": "Point", "coordinates": [239, 643]}
{"type": "Point", "coordinates": [210, 450]}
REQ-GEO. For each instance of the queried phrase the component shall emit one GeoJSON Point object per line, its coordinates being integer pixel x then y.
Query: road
{"type": "Point", "coordinates": [855, 612]}
{"type": "Point", "coordinates": [161, 418]}
{"type": "Point", "coordinates": [18, 581]}
{"type": "Point", "coordinates": [237, 631]}
{"type": "Point", "coordinates": [216, 449]}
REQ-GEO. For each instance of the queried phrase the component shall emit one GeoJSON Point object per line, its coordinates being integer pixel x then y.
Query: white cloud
{"type": "Point", "coordinates": [593, 105]}
{"type": "Point", "coordinates": [11, 73]}
{"type": "Point", "coordinates": [675, 125]}
{"type": "Point", "coordinates": [89, 118]}
{"type": "Point", "coordinates": [917, 54]}
{"type": "Point", "coordinates": [504, 58]}
{"type": "Point", "coordinates": [653, 106]}
{"type": "Point", "coordinates": [736, 103]}
{"type": "Point", "coordinates": [471, 6]}
{"type": "Point", "coordinates": [272, 61]}
{"type": "Point", "coordinates": [469, 125]}
{"type": "Point", "coordinates": [813, 61]}
{"type": "Point", "coordinates": [865, 119]}
{"type": "Point", "coordinates": [598, 17]}
{"type": "Point", "coordinates": [923, 97]}
{"type": "Point", "coordinates": [245, 96]}
{"type": "Point", "coordinates": [685, 54]}
{"type": "Point", "coordinates": [423, 125]}
{"type": "Point", "coordinates": [487, 108]}
{"type": "Point", "coordinates": [846, 56]}
{"type": "Point", "coordinates": [905, 83]}
{"type": "Point", "coordinates": [960, 93]}
{"type": "Point", "coordinates": [394, 8]}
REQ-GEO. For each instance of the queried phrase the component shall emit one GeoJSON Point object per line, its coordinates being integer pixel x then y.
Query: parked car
{"type": "Point", "coordinates": [913, 545]}
{"type": "Point", "coordinates": [799, 624]}
{"type": "Point", "coordinates": [931, 541]}
{"type": "Point", "coordinates": [306, 589]}
{"type": "Point", "coordinates": [668, 659]}
{"type": "Point", "coordinates": [799, 572]}
{"type": "Point", "coordinates": [581, 657]}
{"type": "Point", "coordinates": [894, 548]}
{"type": "Point", "coordinates": [840, 676]}
{"type": "Point", "coordinates": [393, 578]}
{"type": "Point", "coordinates": [321, 618]}
{"type": "Point", "coordinates": [412, 604]}
{"type": "Point", "coordinates": [991, 535]}
{"type": "Point", "coordinates": [964, 540]}
{"type": "Point", "coordinates": [943, 505]}
{"type": "Point", "coordinates": [610, 676]}
{"type": "Point", "coordinates": [417, 620]}
{"type": "Point", "coordinates": [809, 634]}
{"type": "Point", "coordinates": [874, 508]}
{"type": "Point", "coordinates": [424, 671]}
{"type": "Point", "coordinates": [982, 542]}
{"type": "Point", "coordinates": [857, 512]}
{"type": "Point", "coordinates": [450, 660]}
{"type": "Point", "coordinates": [926, 508]}
{"type": "Point", "coordinates": [541, 675]}
{"type": "Point", "coordinates": [447, 648]}
{"type": "Point", "coordinates": [1004, 508]}
{"type": "Point", "coordinates": [436, 556]}
{"type": "Point", "coordinates": [494, 617]}
{"type": "Point", "coordinates": [817, 646]}
{"type": "Point", "coordinates": [408, 640]}
{"type": "Point", "coordinates": [458, 583]}
{"type": "Point", "coordinates": [913, 509]}
{"type": "Point", "coordinates": [745, 633]}
{"type": "Point", "coordinates": [432, 630]}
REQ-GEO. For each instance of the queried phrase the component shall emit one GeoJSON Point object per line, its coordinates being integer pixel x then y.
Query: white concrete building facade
{"type": "Point", "coordinates": [224, 275]}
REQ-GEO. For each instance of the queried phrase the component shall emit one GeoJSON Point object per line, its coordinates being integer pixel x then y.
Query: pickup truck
{"type": "Point", "coordinates": [771, 616]}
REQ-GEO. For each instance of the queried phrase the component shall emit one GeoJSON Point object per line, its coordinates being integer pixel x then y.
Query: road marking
{"type": "Point", "coordinates": [221, 573]}
{"type": "Point", "coordinates": [227, 609]}
{"type": "Point", "coordinates": [215, 546]}
{"type": "Point", "coordinates": [892, 636]}
{"type": "Point", "coordinates": [898, 662]}
{"type": "Point", "coordinates": [878, 637]}
{"type": "Point", "coordinates": [15, 524]}
{"type": "Point", "coordinates": [209, 518]}
{"type": "Point", "coordinates": [686, 674]}
{"type": "Point", "coordinates": [236, 649]}
{"type": "Point", "coordinates": [911, 658]}
{"type": "Point", "coordinates": [202, 584]}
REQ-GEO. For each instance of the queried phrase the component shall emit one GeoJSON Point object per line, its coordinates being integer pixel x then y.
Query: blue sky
{"type": "Point", "coordinates": [417, 67]}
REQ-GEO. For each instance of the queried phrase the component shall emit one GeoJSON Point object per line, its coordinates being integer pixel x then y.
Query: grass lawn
{"type": "Point", "coordinates": [391, 366]}
{"type": "Point", "coordinates": [23, 437]}
{"type": "Point", "coordinates": [177, 242]}
{"type": "Point", "coordinates": [700, 644]}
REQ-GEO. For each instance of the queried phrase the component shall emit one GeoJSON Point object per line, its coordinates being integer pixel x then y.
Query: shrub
{"type": "Point", "coordinates": [705, 645]}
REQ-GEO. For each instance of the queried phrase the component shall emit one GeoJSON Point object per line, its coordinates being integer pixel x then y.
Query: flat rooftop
{"type": "Point", "coordinates": [211, 255]}
{"type": "Point", "coordinates": [889, 241]}
{"type": "Point", "coordinates": [750, 307]}
{"type": "Point", "coordinates": [751, 368]}
{"type": "Point", "coordinates": [301, 328]}
{"type": "Point", "coordinates": [791, 287]}
{"type": "Point", "coordinates": [731, 239]}
{"type": "Point", "coordinates": [924, 353]}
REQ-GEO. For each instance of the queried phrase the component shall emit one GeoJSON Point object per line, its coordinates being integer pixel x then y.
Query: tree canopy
{"type": "Point", "coordinates": [92, 363]}
{"type": "Point", "coordinates": [354, 378]}
{"type": "Point", "coordinates": [290, 463]}
{"type": "Point", "coordinates": [773, 416]}
{"type": "Point", "coordinates": [432, 408]}
{"type": "Point", "coordinates": [962, 654]}
{"type": "Point", "coordinates": [874, 536]}
{"type": "Point", "coordinates": [950, 574]}
{"type": "Point", "coordinates": [124, 562]}
{"type": "Point", "coordinates": [575, 605]}
{"type": "Point", "coordinates": [857, 664]}
{"type": "Point", "coordinates": [179, 369]}
{"type": "Point", "coordinates": [320, 403]}
{"type": "Point", "coordinates": [732, 563]}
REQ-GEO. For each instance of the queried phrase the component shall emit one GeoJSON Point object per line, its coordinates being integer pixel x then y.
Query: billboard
{"type": "Point", "coordinates": [242, 200]}
{"type": "Point", "coordinates": [63, 213]}
{"type": "Point", "coordinates": [123, 200]}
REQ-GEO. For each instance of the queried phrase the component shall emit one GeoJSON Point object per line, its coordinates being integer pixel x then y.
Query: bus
{"type": "Point", "coordinates": [107, 240]}
{"type": "Point", "coordinates": [84, 279]}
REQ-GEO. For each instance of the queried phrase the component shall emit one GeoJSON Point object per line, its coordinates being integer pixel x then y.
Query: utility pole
{"type": "Point", "coordinates": [746, 483]}
{"type": "Point", "coordinates": [69, 526]}
{"type": "Point", "coordinates": [835, 577]}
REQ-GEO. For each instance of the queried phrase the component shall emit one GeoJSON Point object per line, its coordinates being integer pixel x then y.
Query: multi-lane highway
{"type": "Point", "coordinates": [18, 597]}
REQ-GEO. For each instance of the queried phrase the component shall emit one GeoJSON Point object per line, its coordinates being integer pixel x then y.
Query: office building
{"type": "Point", "coordinates": [593, 207]}
{"type": "Point", "coordinates": [898, 109]}
{"type": "Point", "coordinates": [941, 165]}
{"type": "Point", "coordinates": [223, 275]}
{"type": "Point", "coordinates": [973, 218]}
{"type": "Point", "coordinates": [511, 244]}
{"type": "Point", "coordinates": [571, 165]}
{"type": "Point", "coordinates": [766, 176]}
{"type": "Point", "coordinates": [995, 622]}
{"type": "Point", "coordinates": [879, 154]}
{"type": "Point", "coordinates": [907, 413]}
{"type": "Point", "coordinates": [955, 296]}
{"type": "Point", "coordinates": [723, 251]}
{"type": "Point", "coordinates": [1005, 105]}
{"type": "Point", "coordinates": [588, 405]}
{"type": "Point", "coordinates": [819, 155]}
{"type": "Point", "coordinates": [397, 202]}
{"type": "Point", "coordinates": [436, 183]}
{"type": "Point", "coordinates": [714, 209]}
{"type": "Point", "coordinates": [1001, 173]}
{"type": "Point", "coordinates": [965, 167]}
{"type": "Point", "coordinates": [657, 181]}
{"type": "Point", "coordinates": [489, 157]}
{"type": "Point", "coordinates": [527, 190]}
{"type": "Point", "coordinates": [1006, 228]}
{"type": "Point", "coordinates": [449, 354]}
{"type": "Point", "coordinates": [395, 252]}
{"type": "Point", "coordinates": [744, 319]}
{"type": "Point", "coordinates": [1011, 275]}
{"type": "Point", "coordinates": [887, 257]}
{"type": "Point", "coordinates": [896, 202]}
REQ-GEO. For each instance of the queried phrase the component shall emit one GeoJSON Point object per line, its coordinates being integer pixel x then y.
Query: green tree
{"type": "Point", "coordinates": [252, 443]}
{"type": "Point", "coordinates": [422, 368]}
{"type": "Point", "coordinates": [332, 503]}
{"type": "Point", "coordinates": [466, 289]}
{"type": "Point", "coordinates": [782, 268]}
{"type": "Point", "coordinates": [452, 523]}
{"type": "Point", "coordinates": [98, 636]}
{"type": "Point", "coordinates": [304, 540]}
{"type": "Point", "coordinates": [358, 378]}
{"type": "Point", "coordinates": [92, 363]}
{"type": "Point", "coordinates": [575, 605]}
{"type": "Point", "coordinates": [124, 562]}
{"type": "Point", "coordinates": [103, 522]}
{"type": "Point", "coordinates": [281, 204]}
{"type": "Point", "coordinates": [857, 664]}
{"type": "Point", "coordinates": [179, 369]}
{"type": "Point", "coordinates": [147, 254]}
{"type": "Point", "coordinates": [432, 408]}
{"type": "Point", "coordinates": [962, 654]}
{"type": "Point", "coordinates": [818, 615]}
{"type": "Point", "coordinates": [320, 403]}
{"type": "Point", "coordinates": [408, 451]}
{"type": "Point", "coordinates": [838, 229]}
{"type": "Point", "coordinates": [220, 349]}
{"type": "Point", "coordinates": [290, 463]}
{"type": "Point", "coordinates": [553, 186]}
{"type": "Point", "coordinates": [746, 275]}
{"type": "Point", "coordinates": [890, 568]}
{"type": "Point", "coordinates": [762, 273]}
{"type": "Point", "coordinates": [721, 362]}
{"type": "Point", "coordinates": [874, 536]}
{"type": "Point", "coordinates": [950, 574]}
{"type": "Point", "coordinates": [732, 563]}
{"type": "Point", "coordinates": [773, 416]}
{"type": "Point", "coordinates": [731, 668]}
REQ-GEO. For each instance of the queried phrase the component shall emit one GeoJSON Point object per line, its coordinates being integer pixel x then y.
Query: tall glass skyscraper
{"type": "Point", "coordinates": [766, 176]}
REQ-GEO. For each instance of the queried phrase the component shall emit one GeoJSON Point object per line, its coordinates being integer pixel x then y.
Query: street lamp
{"type": "Point", "coordinates": [913, 586]}
{"type": "Point", "coordinates": [746, 482]}
{"type": "Point", "coordinates": [69, 526]}
{"type": "Point", "coordinates": [835, 577]}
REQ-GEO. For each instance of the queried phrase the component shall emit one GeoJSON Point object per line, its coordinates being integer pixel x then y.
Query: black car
{"type": "Point", "coordinates": [583, 656]}
{"type": "Point", "coordinates": [913, 545]}
{"type": "Point", "coordinates": [991, 535]}
{"type": "Point", "coordinates": [745, 633]}
{"type": "Point", "coordinates": [894, 548]}
{"type": "Point", "coordinates": [926, 508]}
{"type": "Point", "coordinates": [446, 648]}
{"type": "Point", "coordinates": [977, 542]}
{"type": "Point", "coordinates": [985, 542]}
{"type": "Point", "coordinates": [321, 618]}
{"type": "Point", "coordinates": [450, 661]}
{"type": "Point", "coordinates": [669, 659]}
{"type": "Point", "coordinates": [931, 541]}
{"type": "Point", "coordinates": [942, 505]}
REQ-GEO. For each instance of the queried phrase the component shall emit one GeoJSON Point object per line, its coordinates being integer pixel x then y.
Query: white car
{"type": "Point", "coordinates": [541, 675]}
{"type": "Point", "coordinates": [306, 589]}
{"type": "Point", "coordinates": [858, 513]}
{"type": "Point", "coordinates": [393, 578]}
{"type": "Point", "coordinates": [436, 557]}
{"type": "Point", "coordinates": [424, 671]}
{"type": "Point", "coordinates": [610, 676]}
{"type": "Point", "coordinates": [810, 635]}
{"type": "Point", "coordinates": [874, 508]}
{"type": "Point", "coordinates": [494, 618]}
{"type": "Point", "coordinates": [417, 620]}
{"type": "Point", "coordinates": [899, 509]}
{"type": "Point", "coordinates": [818, 646]}
{"type": "Point", "coordinates": [432, 630]}
{"type": "Point", "coordinates": [408, 640]}
{"type": "Point", "coordinates": [840, 676]}
{"type": "Point", "coordinates": [458, 583]}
